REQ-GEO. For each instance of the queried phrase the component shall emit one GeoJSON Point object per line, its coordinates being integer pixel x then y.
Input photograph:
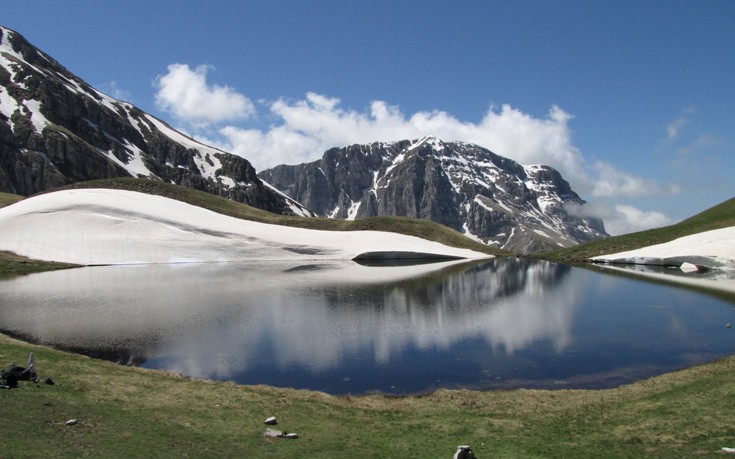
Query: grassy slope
{"type": "Point", "coordinates": [13, 265]}
{"type": "Point", "coordinates": [720, 216]}
{"type": "Point", "coordinates": [130, 412]}
{"type": "Point", "coordinates": [6, 199]}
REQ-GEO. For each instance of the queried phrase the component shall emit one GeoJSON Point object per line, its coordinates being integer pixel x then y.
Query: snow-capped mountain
{"type": "Point", "coordinates": [466, 187]}
{"type": "Point", "coordinates": [56, 129]}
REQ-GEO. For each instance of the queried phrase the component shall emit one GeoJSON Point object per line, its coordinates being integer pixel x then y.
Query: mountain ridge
{"type": "Point", "coordinates": [56, 129]}
{"type": "Point", "coordinates": [485, 196]}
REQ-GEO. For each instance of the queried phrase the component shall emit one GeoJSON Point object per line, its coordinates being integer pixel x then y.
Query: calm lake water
{"type": "Point", "coordinates": [341, 327]}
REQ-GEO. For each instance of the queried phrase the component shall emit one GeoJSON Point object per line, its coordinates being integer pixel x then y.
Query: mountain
{"type": "Point", "coordinates": [55, 129]}
{"type": "Point", "coordinates": [466, 187]}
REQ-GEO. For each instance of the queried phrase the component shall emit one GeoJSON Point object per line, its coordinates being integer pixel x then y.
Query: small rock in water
{"type": "Point", "coordinates": [464, 452]}
{"type": "Point", "coordinates": [272, 433]}
{"type": "Point", "coordinates": [728, 325]}
{"type": "Point", "coordinates": [271, 421]}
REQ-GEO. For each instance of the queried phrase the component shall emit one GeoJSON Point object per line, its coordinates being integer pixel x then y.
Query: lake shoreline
{"type": "Point", "coordinates": [724, 285]}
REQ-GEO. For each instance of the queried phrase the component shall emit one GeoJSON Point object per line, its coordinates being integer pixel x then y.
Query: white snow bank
{"type": "Point", "coordinates": [716, 245]}
{"type": "Point", "coordinates": [714, 249]}
{"type": "Point", "coordinates": [100, 226]}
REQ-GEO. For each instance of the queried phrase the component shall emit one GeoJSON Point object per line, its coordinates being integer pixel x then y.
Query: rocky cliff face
{"type": "Point", "coordinates": [463, 186]}
{"type": "Point", "coordinates": [55, 129]}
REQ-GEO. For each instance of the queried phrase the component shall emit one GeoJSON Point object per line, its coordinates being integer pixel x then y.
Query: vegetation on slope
{"type": "Point", "coordinates": [414, 227]}
{"type": "Point", "coordinates": [720, 216]}
{"type": "Point", "coordinates": [6, 199]}
{"type": "Point", "coordinates": [131, 412]}
{"type": "Point", "coordinates": [12, 265]}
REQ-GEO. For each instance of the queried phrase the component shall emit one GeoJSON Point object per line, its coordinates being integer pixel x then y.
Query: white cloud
{"type": "Point", "coordinates": [613, 182]}
{"type": "Point", "coordinates": [112, 89]}
{"type": "Point", "coordinates": [184, 93]}
{"type": "Point", "coordinates": [303, 129]}
{"type": "Point", "coordinates": [673, 128]}
{"type": "Point", "coordinates": [628, 219]}
{"type": "Point", "coordinates": [308, 127]}
{"type": "Point", "coordinates": [621, 218]}
{"type": "Point", "coordinates": [319, 123]}
{"type": "Point", "coordinates": [702, 142]}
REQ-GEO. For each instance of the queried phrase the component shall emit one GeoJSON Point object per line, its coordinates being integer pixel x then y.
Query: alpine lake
{"type": "Point", "coordinates": [348, 328]}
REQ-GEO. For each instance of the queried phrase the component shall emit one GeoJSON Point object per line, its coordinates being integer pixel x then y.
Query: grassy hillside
{"type": "Point", "coordinates": [720, 216]}
{"type": "Point", "coordinates": [414, 227]}
{"type": "Point", "coordinates": [13, 265]}
{"type": "Point", "coordinates": [130, 412]}
{"type": "Point", "coordinates": [6, 199]}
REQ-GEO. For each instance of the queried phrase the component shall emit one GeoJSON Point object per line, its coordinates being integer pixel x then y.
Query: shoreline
{"type": "Point", "coordinates": [722, 285]}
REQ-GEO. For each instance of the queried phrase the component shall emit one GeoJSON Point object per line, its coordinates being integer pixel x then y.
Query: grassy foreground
{"type": "Point", "coordinates": [130, 412]}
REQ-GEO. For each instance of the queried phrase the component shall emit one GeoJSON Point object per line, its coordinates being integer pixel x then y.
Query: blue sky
{"type": "Point", "coordinates": [633, 101]}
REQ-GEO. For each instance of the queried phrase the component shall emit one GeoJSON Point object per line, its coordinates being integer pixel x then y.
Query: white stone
{"type": "Point", "coordinates": [688, 267]}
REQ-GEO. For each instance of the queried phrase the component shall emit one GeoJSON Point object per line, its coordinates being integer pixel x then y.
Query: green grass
{"type": "Point", "coordinates": [130, 412]}
{"type": "Point", "coordinates": [12, 265]}
{"type": "Point", "coordinates": [720, 216]}
{"type": "Point", "coordinates": [6, 199]}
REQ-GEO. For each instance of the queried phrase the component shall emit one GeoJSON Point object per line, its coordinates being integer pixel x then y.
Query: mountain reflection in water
{"type": "Point", "coordinates": [339, 326]}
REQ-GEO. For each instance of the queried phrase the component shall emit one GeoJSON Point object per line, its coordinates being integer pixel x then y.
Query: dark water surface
{"type": "Point", "coordinates": [340, 327]}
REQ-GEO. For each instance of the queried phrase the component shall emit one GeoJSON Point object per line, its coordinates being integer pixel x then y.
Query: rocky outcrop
{"type": "Point", "coordinates": [55, 129]}
{"type": "Point", "coordinates": [463, 186]}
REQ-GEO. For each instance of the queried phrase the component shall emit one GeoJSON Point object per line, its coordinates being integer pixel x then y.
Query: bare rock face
{"type": "Point", "coordinates": [55, 129]}
{"type": "Point", "coordinates": [463, 186]}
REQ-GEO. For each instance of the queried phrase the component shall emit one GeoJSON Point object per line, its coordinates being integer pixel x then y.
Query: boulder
{"type": "Point", "coordinates": [464, 452]}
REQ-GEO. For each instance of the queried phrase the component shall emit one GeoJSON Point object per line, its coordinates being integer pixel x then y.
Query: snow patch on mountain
{"type": "Point", "coordinates": [716, 245]}
{"type": "Point", "coordinates": [101, 226]}
{"type": "Point", "coordinates": [705, 259]}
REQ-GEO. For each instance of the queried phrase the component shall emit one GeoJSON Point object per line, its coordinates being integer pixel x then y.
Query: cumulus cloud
{"type": "Point", "coordinates": [304, 128]}
{"type": "Point", "coordinates": [309, 126]}
{"type": "Point", "coordinates": [185, 93]}
{"type": "Point", "coordinates": [628, 219]}
{"type": "Point", "coordinates": [613, 182]}
{"type": "Point", "coordinates": [621, 218]}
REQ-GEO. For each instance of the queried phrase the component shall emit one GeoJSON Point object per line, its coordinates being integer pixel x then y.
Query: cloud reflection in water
{"type": "Point", "coordinates": [220, 320]}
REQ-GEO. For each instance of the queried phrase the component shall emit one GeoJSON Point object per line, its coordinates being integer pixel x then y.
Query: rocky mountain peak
{"type": "Point", "coordinates": [56, 129]}
{"type": "Point", "coordinates": [461, 185]}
